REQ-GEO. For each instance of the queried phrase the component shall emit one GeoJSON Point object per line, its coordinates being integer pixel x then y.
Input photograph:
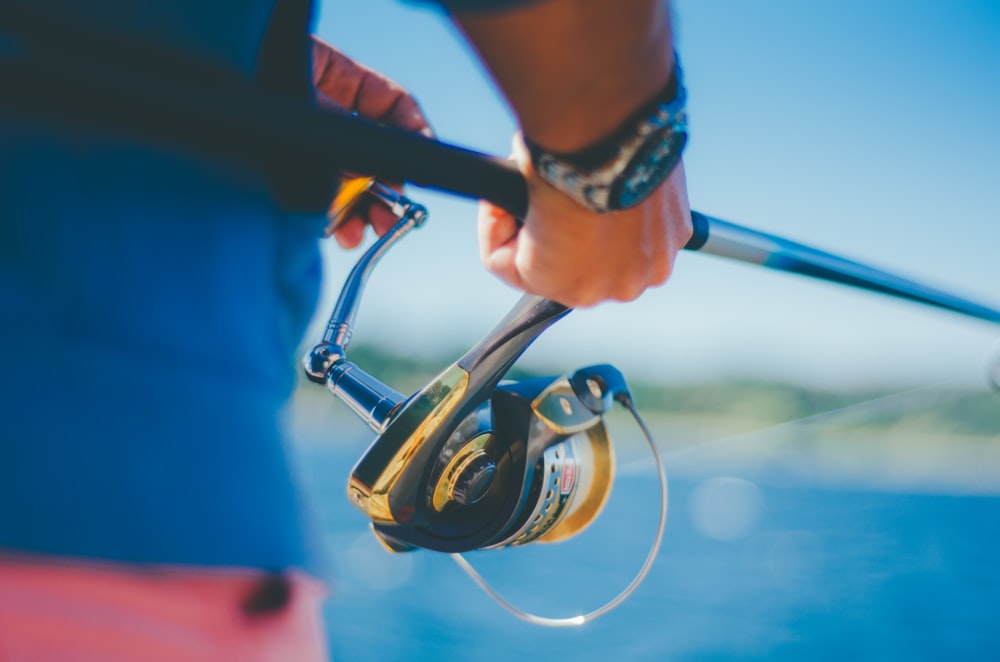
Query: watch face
{"type": "Point", "coordinates": [650, 165]}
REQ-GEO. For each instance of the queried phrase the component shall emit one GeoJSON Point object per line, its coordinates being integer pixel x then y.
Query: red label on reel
{"type": "Point", "coordinates": [568, 476]}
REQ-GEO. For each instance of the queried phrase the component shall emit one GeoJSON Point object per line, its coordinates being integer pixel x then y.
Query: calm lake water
{"type": "Point", "coordinates": [754, 564]}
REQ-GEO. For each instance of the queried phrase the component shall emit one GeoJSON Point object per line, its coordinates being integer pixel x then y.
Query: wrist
{"type": "Point", "coordinates": [603, 150]}
{"type": "Point", "coordinates": [625, 167]}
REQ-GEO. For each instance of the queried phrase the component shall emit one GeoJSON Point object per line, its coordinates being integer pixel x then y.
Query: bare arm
{"type": "Point", "coordinates": [574, 71]}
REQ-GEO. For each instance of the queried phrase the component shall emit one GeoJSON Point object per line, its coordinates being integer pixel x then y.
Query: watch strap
{"type": "Point", "coordinates": [592, 174]}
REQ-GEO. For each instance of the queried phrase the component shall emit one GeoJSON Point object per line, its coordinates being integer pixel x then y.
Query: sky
{"type": "Point", "coordinates": [865, 128]}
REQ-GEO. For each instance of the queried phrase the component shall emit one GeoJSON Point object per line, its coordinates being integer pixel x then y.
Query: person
{"type": "Point", "coordinates": [152, 297]}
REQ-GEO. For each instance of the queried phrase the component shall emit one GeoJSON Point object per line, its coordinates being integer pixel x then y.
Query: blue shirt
{"type": "Point", "coordinates": [151, 303]}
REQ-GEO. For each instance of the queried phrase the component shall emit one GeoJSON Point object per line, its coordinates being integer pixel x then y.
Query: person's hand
{"type": "Point", "coordinates": [568, 253]}
{"type": "Point", "coordinates": [346, 86]}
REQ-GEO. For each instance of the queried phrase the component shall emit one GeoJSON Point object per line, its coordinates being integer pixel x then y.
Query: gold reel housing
{"type": "Point", "coordinates": [576, 479]}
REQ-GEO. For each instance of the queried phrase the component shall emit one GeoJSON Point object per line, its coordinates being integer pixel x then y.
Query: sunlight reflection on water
{"type": "Point", "coordinates": [725, 508]}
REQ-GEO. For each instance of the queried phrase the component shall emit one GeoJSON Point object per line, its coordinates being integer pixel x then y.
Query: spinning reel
{"type": "Point", "coordinates": [470, 461]}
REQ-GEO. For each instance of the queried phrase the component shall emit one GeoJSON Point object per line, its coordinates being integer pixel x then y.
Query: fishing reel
{"type": "Point", "coordinates": [471, 461]}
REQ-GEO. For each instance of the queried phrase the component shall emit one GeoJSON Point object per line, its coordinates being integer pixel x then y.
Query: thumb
{"type": "Point", "coordinates": [498, 243]}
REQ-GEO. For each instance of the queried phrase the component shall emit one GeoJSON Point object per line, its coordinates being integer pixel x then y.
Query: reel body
{"type": "Point", "coordinates": [530, 463]}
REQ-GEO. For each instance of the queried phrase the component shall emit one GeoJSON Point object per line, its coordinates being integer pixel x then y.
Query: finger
{"type": "Point", "coordinates": [350, 233]}
{"type": "Point", "coordinates": [496, 225]}
{"type": "Point", "coordinates": [405, 112]}
{"type": "Point", "coordinates": [385, 101]}
{"type": "Point", "coordinates": [343, 82]}
{"type": "Point", "coordinates": [502, 264]}
{"type": "Point", "coordinates": [678, 229]}
{"type": "Point", "coordinates": [496, 228]}
{"type": "Point", "coordinates": [679, 209]}
{"type": "Point", "coordinates": [335, 75]}
{"type": "Point", "coordinates": [381, 219]}
{"type": "Point", "coordinates": [498, 244]}
{"type": "Point", "coordinates": [326, 103]}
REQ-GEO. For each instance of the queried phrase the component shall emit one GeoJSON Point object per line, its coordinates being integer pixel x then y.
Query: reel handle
{"type": "Point", "coordinates": [373, 401]}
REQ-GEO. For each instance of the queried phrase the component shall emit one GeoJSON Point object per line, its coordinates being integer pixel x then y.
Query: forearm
{"type": "Point", "coordinates": [572, 70]}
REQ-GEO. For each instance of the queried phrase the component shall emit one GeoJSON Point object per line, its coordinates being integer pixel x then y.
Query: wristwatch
{"type": "Point", "coordinates": [624, 169]}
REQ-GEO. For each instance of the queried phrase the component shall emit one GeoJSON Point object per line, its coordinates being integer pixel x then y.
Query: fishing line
{"type": "Point", "coordinates": [575, 621]}
{"type": "Point", "coordinates": [993, 374]}
{"type": "Point", "coordinates": [935, 392]}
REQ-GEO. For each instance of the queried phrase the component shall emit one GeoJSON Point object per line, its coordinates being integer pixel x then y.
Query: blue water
{"type": "Point", "coordinates": [795, 571]}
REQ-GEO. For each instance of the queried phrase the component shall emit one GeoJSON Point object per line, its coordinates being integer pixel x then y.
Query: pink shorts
{"type": "Point", "coordinates": [59, 611]}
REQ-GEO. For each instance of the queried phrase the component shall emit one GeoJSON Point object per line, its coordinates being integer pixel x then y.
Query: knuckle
{"type": "Point", "coordinates": [661, 272]}
{"type": "Point", "coordinates": [685, 229]}
{"type": "Point", "coordinates": [630, 291]}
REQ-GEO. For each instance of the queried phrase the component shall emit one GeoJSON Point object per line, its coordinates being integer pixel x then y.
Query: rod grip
{"type": "Point", "coordinates": [476, 175]}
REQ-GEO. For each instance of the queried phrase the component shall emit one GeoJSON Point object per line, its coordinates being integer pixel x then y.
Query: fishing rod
{"type": "Point", "coordinates": [128, 85]}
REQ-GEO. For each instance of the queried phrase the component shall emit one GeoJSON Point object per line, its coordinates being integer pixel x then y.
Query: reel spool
{"type": "Point", "coordinates": [470, 462]}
